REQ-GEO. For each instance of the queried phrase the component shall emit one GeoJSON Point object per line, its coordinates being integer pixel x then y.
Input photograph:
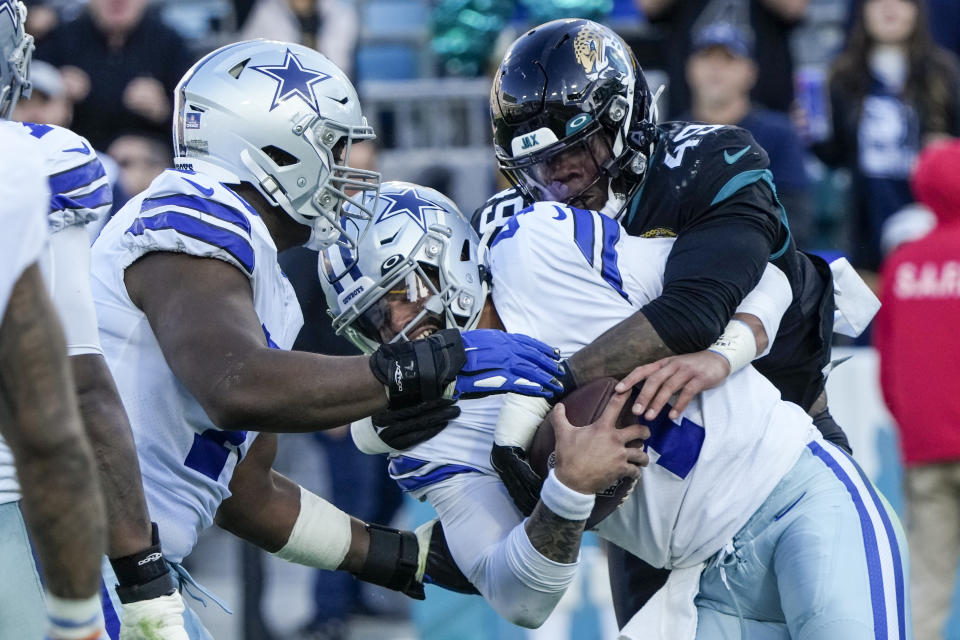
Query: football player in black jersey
{"type": "Point", "coordinates": [574, 121]}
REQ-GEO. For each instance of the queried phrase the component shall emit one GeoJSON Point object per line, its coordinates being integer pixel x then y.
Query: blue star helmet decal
{"type": "Point", "coordinates": [293, 79]}
{"type": "Point", "coordinates": [408, 202]}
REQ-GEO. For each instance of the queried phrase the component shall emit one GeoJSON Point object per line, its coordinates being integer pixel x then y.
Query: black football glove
{"type": "Point", "coordinates": [440, 568]}
{"type": "Point", "coordinates": [522, 482]}
{"type": "Point", "coordinates": [404, 428]}
{"type": "Point", "coordinates": [512, 465]}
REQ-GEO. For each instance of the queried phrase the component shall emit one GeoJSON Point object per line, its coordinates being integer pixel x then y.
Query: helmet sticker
{"type": "Point", "coordinates": [293, 79]}
{"type": "Point", "coordinates": [533, 141]}
{"type": "Point", "coordinates": [597, 49]}
{"type": "Point", "coordinates": [407, 202]}
{"type": "Point", "coordinates": [192, 120]}
{"type": "Point", "coordinates": [578, 122]}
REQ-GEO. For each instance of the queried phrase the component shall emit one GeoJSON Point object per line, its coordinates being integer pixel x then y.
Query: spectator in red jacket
{"type": "Point", "coordinates": [917, 336]}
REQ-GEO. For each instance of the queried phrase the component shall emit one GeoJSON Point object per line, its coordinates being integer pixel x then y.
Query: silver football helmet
{"type": "Point", "coordinates": [418, 271]}
{"type": "Point", "coordinates": [283, 118]}
{"type": "Point", "coordinates": [16, 50]}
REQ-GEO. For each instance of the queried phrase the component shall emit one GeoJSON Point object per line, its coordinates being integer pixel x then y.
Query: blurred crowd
{"type": "Point", "coordinates": [844, 95]}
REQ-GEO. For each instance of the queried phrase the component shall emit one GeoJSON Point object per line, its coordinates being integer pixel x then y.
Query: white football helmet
{"type": "Point", "coordinates": [16, 50]}
{"type": "Point", "coordinates": [283, 118]}
{"type": "Point", "coordinates": [419, 250]}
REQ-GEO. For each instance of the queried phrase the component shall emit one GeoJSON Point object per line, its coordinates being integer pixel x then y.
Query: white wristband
{"type": "Point", "coordinates": [737, 344]}
{"type": "Point", "coordinates": [321, 535]}
{"type": "Point", "coordinates": [71, 618]}
{"type": "Point", "coordinates": [564, 501]}
{"type": "Point", "coordinates": [518, 420]}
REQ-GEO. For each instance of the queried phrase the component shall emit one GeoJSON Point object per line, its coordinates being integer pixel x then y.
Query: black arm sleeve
{"type": "Point", "coordinates": [711, 268]}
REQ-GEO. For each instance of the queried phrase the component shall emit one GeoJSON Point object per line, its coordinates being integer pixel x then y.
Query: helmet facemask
{"type": "Point", "coordinates": [16, 47]}
{"type": "Point", "coordinates": [418, 271]}
{"type": "Point", "coordinates": [338, 184]}
{"type": "Point", "coordinates": [574, 171]}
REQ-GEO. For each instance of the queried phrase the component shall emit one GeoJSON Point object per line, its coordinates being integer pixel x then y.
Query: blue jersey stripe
{"type": "Point", "coordinates": [898, 577]}
{"type": "Point", "coordinates": [199, 204]}
{"type": "Point", "coordinates": [439, 474]}
{"type": "Point", "coordinates": [187, 225]}
{"type": "Point", "coordinates": [610, 271]}
{"type": "Point", "coordinates": [71, 179]}
{"type": "Point", "coordinates": [583, 232]}
{"type": "Point", "coordinates": [109, 613]}
{"type": "Point", "coordinates": [870, 543]}
{"type": "Point", "coordinates": [401, 465]}
{"type": "Point", "coordinates": [99, 198]}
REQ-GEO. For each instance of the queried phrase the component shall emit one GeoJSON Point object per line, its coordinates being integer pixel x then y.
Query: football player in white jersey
{"type": "Point", "coordinates": [61, 499]}
{"type": "Point", "coordinates": [196, 317]}
{"type": "Point", "coordinates": [79, 194]}
{"type": "Point", "coordinates": [771, 531]}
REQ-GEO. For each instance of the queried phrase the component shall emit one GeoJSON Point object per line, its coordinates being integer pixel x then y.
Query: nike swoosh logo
{"type": "Point", "coordinates": [207, 191]}
{"type": "Point", "coordinates": [85, 150]}
{"type": "Point", "coordinates": [731, 159]}
{"type": "Point", "coordinates": [560, 213]}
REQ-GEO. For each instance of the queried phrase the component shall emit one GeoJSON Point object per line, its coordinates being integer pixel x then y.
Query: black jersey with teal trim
{"type": "Point", "coordinates": [710, 187]}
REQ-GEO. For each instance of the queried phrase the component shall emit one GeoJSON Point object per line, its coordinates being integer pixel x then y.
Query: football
{"type": "Point", "coordinates": [583, 407]}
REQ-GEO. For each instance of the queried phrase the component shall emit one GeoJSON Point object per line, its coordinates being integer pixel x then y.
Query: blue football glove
{"type": "Point", "coordinates": [499, 362]}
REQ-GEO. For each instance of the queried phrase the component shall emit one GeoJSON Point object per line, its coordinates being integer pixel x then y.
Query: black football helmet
{"type": "Point", "coordinates": [570, 106]}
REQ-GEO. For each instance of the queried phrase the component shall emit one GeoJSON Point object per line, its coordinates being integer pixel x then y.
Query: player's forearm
{"type": "Point", "coordinates": [107, 427]}
{"type": "Point", "coordinates": [619, 350]}
{"type": "Point", "coordinates": [557, 538]}
{"type": "Point", "coordinates": [264, 507]}
{"type": "Point", "coordinates": [61, 499]}
{"type": "Point", "coordinates": [291, 391]}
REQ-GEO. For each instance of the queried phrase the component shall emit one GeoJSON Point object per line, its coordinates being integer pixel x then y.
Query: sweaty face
{"type": "Point", "coordinates": [403, 310]}
{"type": "Point", "coordinates": [574, 174]}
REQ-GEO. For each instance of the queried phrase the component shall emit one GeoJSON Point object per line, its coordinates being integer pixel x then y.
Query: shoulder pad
{"type": "Point", "coordinates": [80, 190]}
{"type": "Point", "coordinates": [192, 213]}
{"type": "Point", "coordinates": [493, 213]}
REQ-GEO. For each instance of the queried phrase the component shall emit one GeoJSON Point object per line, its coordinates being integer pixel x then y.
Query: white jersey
{"type": "Point", "coordinates": [79, 188]}
{"type": "Point", "coordinates": [77, 193]}
{"type": "Point", "coordinates": [186, 461]}
{"type": "Point", "coordinates": [564, 276]}
{"type": "Point", "coordinates": [464, 444]}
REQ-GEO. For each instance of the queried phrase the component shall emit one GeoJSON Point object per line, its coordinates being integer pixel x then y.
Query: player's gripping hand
{"type": "Point", "coordinates": [405, 428]}
{"type": "Point", "coordinates": [522, 482]}
{"type": "Point", "coordinates": [516, 425]}
{"type": "Point", "coordinates": [159, 618]}
{"type": "Point", "coordinates": [687, 374]}
{"type": "Point", "coordinates": [469, 365]}
{"type": "Point", "coordinates": [596, 456]}
{"type": "Point", "coordinates": [500, 362]}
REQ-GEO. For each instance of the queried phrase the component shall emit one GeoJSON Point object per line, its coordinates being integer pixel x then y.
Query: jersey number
{"type": "Point", "coordinates": [689, 136]}
{"type": "Point", "coordinates": [211, 450]}
{"type": "Point", "coordinates": [677, 444]}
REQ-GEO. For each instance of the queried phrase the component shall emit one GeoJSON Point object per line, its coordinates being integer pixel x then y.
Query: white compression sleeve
{"type": "Point", "coordinates": [486, 536]}
{"type": "Point", "coordinates": [518, 420]}
{"type": "Point", "coordinates": [768, 301]}
{"type": "Point", "coordinates": [66, 267]}
{"type": "Point", "coordinates": [321, 535]}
